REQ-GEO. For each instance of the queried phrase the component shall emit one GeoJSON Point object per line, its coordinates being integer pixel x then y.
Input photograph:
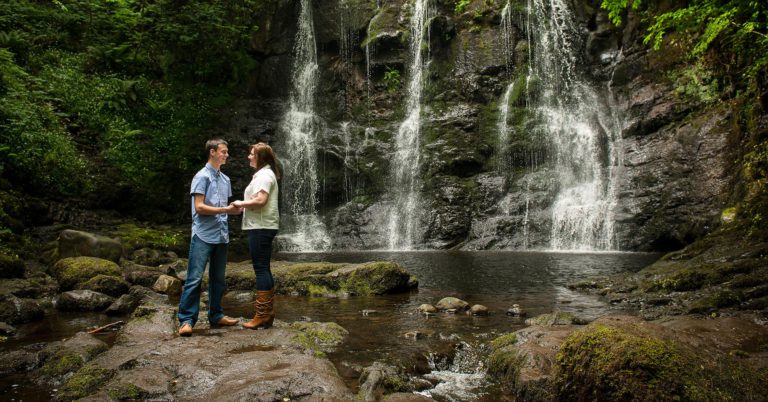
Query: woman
{"type": "Point", "coordinates": [261, 221]}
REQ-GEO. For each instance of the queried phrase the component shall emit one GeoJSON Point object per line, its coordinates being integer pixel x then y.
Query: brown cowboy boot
{"type": "Point", "coordinates": [265, 312]}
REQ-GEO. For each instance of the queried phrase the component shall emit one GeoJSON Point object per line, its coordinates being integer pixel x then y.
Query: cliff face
{"type": "Point", "coordinates": [667, 149]}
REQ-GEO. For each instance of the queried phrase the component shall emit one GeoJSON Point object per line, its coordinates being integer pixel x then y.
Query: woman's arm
{"type": "Point", "coordinates": [259, 200]}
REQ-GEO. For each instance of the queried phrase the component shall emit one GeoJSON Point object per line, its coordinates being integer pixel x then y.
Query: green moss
{"type": "Point", "coordinates": [135, 237]}
{"type": "Point", "coordinates": [74, 270]}
{"type": "Point", "coordinates": [317, 290]}
{"type": "Point", "coordinates": [61, 364]}
{"type": "Point", "coordinates": [127, 392]}
{"type": "Point", "coordinates": [316, 336]}
{"type": "Point", "coordinates": [505, 362]}
{"type": "Point", "coordinates": [609, 363]}
{"type": "Point", "coordinates": [504, 341]}
{"type": "Point", "coordinates": [84, 382]}
{"type": "Point", "coordinates": [719, 300]}
{"type": "Point", "coordinates": [556, 318]}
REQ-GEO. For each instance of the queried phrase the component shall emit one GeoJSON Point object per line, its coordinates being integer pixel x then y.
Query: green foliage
{"type": "Point", "coordinates": [461, 6]}
{"type": "Point", "coordinates": [734, 30]}
{"type": "Point", "coordinates": [162, 238]}
{"type": "Point", "coordinates": [392, 79]}
{"type": "Point", "coordinates": [125, 85]}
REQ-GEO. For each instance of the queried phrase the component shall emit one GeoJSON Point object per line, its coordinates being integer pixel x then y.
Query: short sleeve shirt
{"type": "Point", "coordinates": [217, 189]}
{"type": "Point", "coordinates": [268, 216]}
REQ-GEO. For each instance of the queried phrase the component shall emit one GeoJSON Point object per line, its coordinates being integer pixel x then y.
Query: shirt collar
{"type": "Point", "coordinates": [212, 170]}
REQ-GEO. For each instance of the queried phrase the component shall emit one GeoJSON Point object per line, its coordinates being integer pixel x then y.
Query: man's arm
{"type": "Point", "coordinates": [204, 209]}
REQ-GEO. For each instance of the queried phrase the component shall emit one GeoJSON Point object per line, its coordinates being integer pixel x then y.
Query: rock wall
{"type": "Point", "coordinates": [674, 179]}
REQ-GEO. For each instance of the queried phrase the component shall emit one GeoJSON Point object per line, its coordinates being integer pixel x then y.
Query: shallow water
{"type": "Point", "coordinates": [450, 353]}
{"type": "Point", "coordinates": [534, 280]}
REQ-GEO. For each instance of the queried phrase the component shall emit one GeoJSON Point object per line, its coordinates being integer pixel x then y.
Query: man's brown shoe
{"type": "Point", "coordinates": [185, 330]}
{"type": "Point", "coordinates": [227, 322]}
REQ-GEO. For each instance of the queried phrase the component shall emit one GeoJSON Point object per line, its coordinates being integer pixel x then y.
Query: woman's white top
{"type": "Point", "coordinates": [268, 216]}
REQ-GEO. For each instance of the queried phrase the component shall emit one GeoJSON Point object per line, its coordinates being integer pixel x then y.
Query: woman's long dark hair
{"type": "Point", "coordinates": [265, 156]}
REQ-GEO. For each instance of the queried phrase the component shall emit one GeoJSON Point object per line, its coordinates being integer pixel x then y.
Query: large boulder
{"type": "Point", "coordinates": [74, 243]}
{"type": "Point", "coordinates": [70, 272]}
{"type": "Point", "coordinates": [619, 358]}
{"type": "Point", "coordinates": [152, 257]}
{"type": "Point", "coordinates": [83, 300]}
{"type": "Point", "coordinates": [327, 279]}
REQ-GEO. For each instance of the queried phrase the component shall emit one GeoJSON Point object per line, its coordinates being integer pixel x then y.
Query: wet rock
{"type": "Point", "coordinates": [17, 361]}
{"type": "Point", "coordinates": [124, 304]}
{"type": "Point", "coordinates": [114, 286]}
{"type": "Point", "coordinates": [68, 356]}
{"type": "Point", "coordinates": [74, 243]}
{"type": "Point", "coordinates": [366, 312]}
{"type": "Point", "coordinates": [427, 309]}
{"type": "Point", "coordinates": [380, 379]}
{"type": "Point", "coordinates": [479, 309]}
{"type": "Point", "coordinates": [167, 285]}
{"type": "Point", "coordinates": [83, 300]}
{"type": "Point", "coordinates": [452, 303]}
{"type": "Point", "coordinates": [15, 310]}
{"type": "Point", "coordinates": [148, 360]}
{"type": "Point", "coordinates": [151, 257]}
{"type": "Point", "coordinates": [516, 311]}
{"type": "Point", "coordinates": [70, 272]}
{"type": "Point", "coordinates": [11, 266]}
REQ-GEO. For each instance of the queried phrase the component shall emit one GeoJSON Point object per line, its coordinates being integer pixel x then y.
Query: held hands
{"type": "Point", "coordinates": [238, 205]}
{"type": "Point", "coordinates": [232, 209]}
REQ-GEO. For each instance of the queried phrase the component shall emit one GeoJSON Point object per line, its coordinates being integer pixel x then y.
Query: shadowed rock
{"type": "Point", "coordinates": [74, 243]}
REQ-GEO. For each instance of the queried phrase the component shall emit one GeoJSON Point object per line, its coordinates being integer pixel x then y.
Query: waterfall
{"type": "Point", "coordinates": [301, 128]}
{"type": "Point", "coordinates": [577, 122]}
{"type": "Point", "coordinates": [349, 190]}
{"type": "Point", "coordinates": [405, 183]}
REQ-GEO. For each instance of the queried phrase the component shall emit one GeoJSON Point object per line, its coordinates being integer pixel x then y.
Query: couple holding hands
{"type": "Point", "coordinates": [210, 192]}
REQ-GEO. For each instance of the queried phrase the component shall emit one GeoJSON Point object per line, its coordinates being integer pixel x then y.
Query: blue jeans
{"type": "Point", "coordinates": [200, 253]}
{"type": "Point", "coordinates": [260, 246]}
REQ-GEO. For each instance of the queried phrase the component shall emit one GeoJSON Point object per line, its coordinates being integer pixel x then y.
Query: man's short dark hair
{"type": "Point", "coordinates": [213, 145]}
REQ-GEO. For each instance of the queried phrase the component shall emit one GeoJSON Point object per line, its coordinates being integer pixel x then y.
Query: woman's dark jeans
{"type": "Point", "coordinates": [260, 245]}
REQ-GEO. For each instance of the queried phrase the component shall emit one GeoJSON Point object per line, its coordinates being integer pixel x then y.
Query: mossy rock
{"type": "Point", "coordinates": [550, 319]}
{"type": "Point", "coordinates": [84, 382]}
{"type": "Point", "coordinates": [11, 266]}
{"type": "Point", "coordinates": [114, 286]}
{"type": "Point", "coordinates": [135, 237]}
{"type": "Point", "coordinates": [73, 271]}
{"type": "Point", "coordinates": [319, 336]}
{"type": "Point", "coordinates": [127, 392]}
{"type": "Point", "coordinates": [634, 363]}
{"type": "Point", "coordinates": [329, 279]}
{"type": "Point", "coordinates": [505, 362]}
{"type": "Point", "coordinates": [62, 363]}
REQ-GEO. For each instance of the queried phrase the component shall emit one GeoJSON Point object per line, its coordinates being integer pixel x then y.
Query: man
{"type": "Point", "coordinates": [210, 192]}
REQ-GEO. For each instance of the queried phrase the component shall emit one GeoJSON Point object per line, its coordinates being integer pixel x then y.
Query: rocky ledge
{"type": "Point", "coordinates": [149, 361]}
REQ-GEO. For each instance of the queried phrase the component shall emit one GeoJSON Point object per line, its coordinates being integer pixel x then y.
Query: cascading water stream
{"type": "Point", "coordinates": [583, 134]}
{"type": "Point", "coordinates": [405, 210]}
{"type": "Point", "coordinates": [502, 125]}
{"type": "Point", "coordinates": [301, 127]}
